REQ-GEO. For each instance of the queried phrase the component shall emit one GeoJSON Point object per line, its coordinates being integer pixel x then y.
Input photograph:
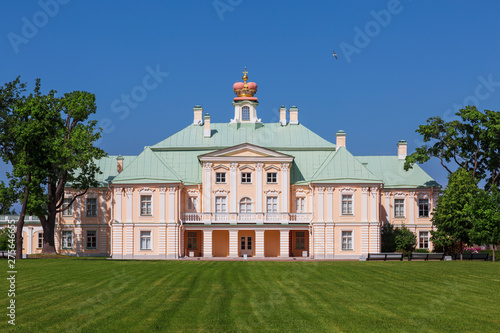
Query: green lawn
{"type": "Point", "coordinates": [56, 295]}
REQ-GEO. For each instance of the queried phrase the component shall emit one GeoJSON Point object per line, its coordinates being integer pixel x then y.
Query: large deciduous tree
{"type": "Point", "coordinates": [49, 142]}
{"type": "Point", "coordinates": [471, 142]}
{"type": "Point", "coordinates": [451, 217]}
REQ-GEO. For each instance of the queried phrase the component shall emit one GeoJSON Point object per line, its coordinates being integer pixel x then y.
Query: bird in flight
{"type": "Point", "coordinates": [335, 54]}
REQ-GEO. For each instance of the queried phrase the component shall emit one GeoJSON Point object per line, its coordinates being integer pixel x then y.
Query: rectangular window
{"type": "Point", "coordinates": [67, 239]}
{"type": "Point", "coordinates": [423, 207]}
{"type": "Point", "coordinates": [246, 177]}
{"type": "Point", "coordinates": [192, 203]}
{"type": "Point", "coordinates": [423, 240]}
{"type": "Point", "coordinates": [245, 113]}
{"type": "Point", "coordinates": [301, 205]}
{"type": "Point", "coordinates": [69, 211]}
{"type": "Point", "coordinates": [40, 240]}
{"type": "Point", "coordinates": [192, 240]}
{"type": "Point", "coordinates": [272, 204]}
{"type": "Point", "coordinates": [91, 207]}
{"type": "Point", "coordinates": [146, 240]}
{"type": "Point", "coordinates": [272, 177]}
{"type": "Point", "coordinates": [300, 240]}
{"type": "Point", "coordinates": [145, 205]}
{"type": "Point", "coordinates": [346, 240]}
{"type": "Point", "coordinates": [399, 207]}
{"type": "Point", "coordinates": [91, 239]}
{"type": "Point", "coordinates": [347, 204]}
{"type": "Point", "coordinates": [220, 177]}
{"type": "Point", "coordinates": [220, 205]}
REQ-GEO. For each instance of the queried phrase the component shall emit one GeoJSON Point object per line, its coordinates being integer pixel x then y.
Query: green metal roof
{"type": "Point", "coordinates": [342, 167]}
{"type": "Point", "coordinates": [269, 135]}
{"type": "Point", "coordinates": [391, 170]}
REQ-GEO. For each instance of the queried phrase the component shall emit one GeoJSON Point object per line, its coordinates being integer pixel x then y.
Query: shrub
{"type": "Point", "coordinates": [422, 251]}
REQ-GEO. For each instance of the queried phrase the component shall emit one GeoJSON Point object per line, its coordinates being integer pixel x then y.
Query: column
{"type": "Point", "coordinates": [258, 187]}
{"type": "Point", "coordinates": [162, 204]}
{"type": "Point", "coordinates": [321, 190]}
{"type": "Point", "coordinates": [259, 243]}
{"type": "Point", "coordinates": [117, 241]}
{"type": "Point", "coordinates": [364, 203]}
{"type": "Point", "coordinates": [233, 243]}
{"type": "Point", "coordinates": [330, 241]}
{"type": "Point", "coordinates": [411, 207]}
{"type": "Point", "coordinates": [374, 204]}
{"type": "Point", "coordinates": [207, 243]}
{"type": "Point", "coordinates": [118, 196]}
{"type": "Point", "coordinates": [234, 187]}
{"type": "Point", "coordinates": [172, 241]}
{"type": "Point", "coordinates": [329, 204]}
{"type": "Point", "coordinates": [129, 204]}
{"type": "Point", "coordinates": [171, 204]}
{"type": "Point", "coordinates": [162, 241]}
{"type": "Point", "coordinates": [365, 240]}
{"type": "Point", "coordinates": [284, 244]}
{"type": "Point", "coordinates": [319, 241]}
{"type": "Point", "coordinates": [285, 187]}
{"type": "Point", "coordinates": [207, 187]}
{"type": "Point", "coordinates": [374, 238]}
{"type": "Point", "coordinates": [29, 246]}
{"type": "Point", "coordinates": [129, 240]}
{"type": "Point", "coordinates": [387, 196]}
{"type": "Point", "coordinates": [102, 205]}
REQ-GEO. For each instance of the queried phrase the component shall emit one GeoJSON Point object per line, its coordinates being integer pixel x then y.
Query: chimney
{"type": "Point", "coordinates": [402, 149]}
{"type": "Point", "coordinates": [294, 115]}
{"type": "Point", "coordinates": [207, 131]}
{"type": "Point", "coordinates": [283, 115]}
{"type": "Point", "coordinates": [341, 136]}
{"type": "Point", "coordinates": [198, 115]}
{"type": "Point", "coordinates": [119, 164]}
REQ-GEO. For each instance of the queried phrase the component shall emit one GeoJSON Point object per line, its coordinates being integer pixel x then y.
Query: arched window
{"type": "Point", "coordinates": [245, 113]}
{"type": "Point", "coordinates": [246, 205]}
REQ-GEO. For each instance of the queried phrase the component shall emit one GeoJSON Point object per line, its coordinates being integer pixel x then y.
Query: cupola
{"type": "Point", "coordinates": [245, 104]}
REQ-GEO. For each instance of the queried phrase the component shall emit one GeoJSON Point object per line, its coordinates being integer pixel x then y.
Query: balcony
{"type": "Point", "coordinates": [246, 218]}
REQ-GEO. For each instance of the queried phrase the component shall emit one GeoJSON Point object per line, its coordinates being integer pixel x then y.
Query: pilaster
{"type": "Point", "coordinates": [285, 187]}
{"type": "Point", "coordinates": [207, 243]}
{"type": "Point", "coordinates": [118, 199]}
{"type": "Point", "coordinates": [162, 204]}
{"type": "Point", "coordinates": [233, 243]}
{"type": "Point", "coordinates": [284, 243]}
{"type": "Point", "coordinates": [258, 187]}
{"type": "Point", "coordinates": [171, 204]}
{"type": "Point", "coordinates": [207, 187]}
{"type": "Point", "coordinates": [259, 243]}
{"type": "Point", "coordinates": [321, 190]}
{"type": "Point", "coordinates": [129, 204]}
{"type": "Point", "coordinates": [234, 187]}
{"type": "Point", "coordinates": [374, 204]}
{"type": "Point", "coordinates": [364, 204]}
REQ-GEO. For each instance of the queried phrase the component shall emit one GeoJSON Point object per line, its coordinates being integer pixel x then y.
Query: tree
{"type": "Point", "coordinates": [49, 142]}
{"type": "Point", "coordinates": [450, 217]}
{"type": "Point", "coordinates": [388, 238]}
{"type": "Point", "coordinates": [471, 143]}
{"type": "Point", "coordinates": [7, 199]}
{"type": "Point", "coordinates": [484, 211]}
{"type": "Point", "coordinates": [405, 240]}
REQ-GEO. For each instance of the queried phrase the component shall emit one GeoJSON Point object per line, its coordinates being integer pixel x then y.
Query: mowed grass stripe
{"type": "Point", "coordinates": [57, 295]}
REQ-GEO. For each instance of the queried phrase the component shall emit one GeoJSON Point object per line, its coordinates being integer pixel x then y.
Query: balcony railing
{"type": "Point", "coordinates": [244, 218]}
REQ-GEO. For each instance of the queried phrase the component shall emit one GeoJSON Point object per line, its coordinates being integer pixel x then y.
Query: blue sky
{"type": "Point", "coordinates": [399, 63]}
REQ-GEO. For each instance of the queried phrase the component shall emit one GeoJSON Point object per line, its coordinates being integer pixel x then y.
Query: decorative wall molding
{"type": "Point", "coordinates": [246, 166]}
{"type": "Point", "coordinates": [146, 190]}
{"type": "Point", "coordinates": [259, 166]}
{"type": "Point", "coordinates": [129, 190]}
{"type": "Point", "coordinates": [387, 193]}
{"type": "Point", "coordinates": [423, 195]}
{"type": "Point", "coordinates": [365, 189]}
{"type": "Point", "coordinates": [347, 189]}
{"type": "Point", "coordinates": [162, 189]}
{"type": "Point", "coordinates": [330, 189]}
{"type": "Point", "coordinates": [400, 194]}
{"type": "Point", "coordinates": [221, 191]}
{"type": "Point", "coordinates": [268, 192]}
{"type": "Point", "coordinates": [172, 189]}
{"type": "Point", "coordinates": [193, 192]}
{"type": "Point", "coordinates": [412, 194]}
{"type": "Point", "coordinates": [374, 189]}
{"type": "Point", "coordinates": [207, 166]}
{"type": "Point", "coordinates": [301, 192]}
{"type": "Point", "coordinates": [233, 166]}
{"type": "Point", "coordinates": [321, 189]}
{"type": "Point", "coordinates": [285, 166]}
{"type": "Point", "coordinates": [220, 166]}
{"type": "Point", "coordinates": [272, 167]}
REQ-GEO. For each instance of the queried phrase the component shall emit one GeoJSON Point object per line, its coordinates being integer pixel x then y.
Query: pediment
{"type": "Point", "coordinates": [246, 152]}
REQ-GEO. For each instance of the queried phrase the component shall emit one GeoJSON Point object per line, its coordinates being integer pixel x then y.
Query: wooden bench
{"type": "Point", "coordinates": [426, 256]}
{"type": "Point", "coordinates": [472, 256]}
{"type": "Point", "coordinates": [385, 256]}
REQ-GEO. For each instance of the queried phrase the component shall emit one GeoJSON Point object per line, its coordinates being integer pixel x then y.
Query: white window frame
{"type": "Point", "coordinates": [141, 231]}
{"type": "Point", "coordinates": [428, 239]}
{"type": "Point", "coordinates": [68, 212]}
{"type": "Point", "coordinates": [87, 207]}
{"type": "Point", "coordinates": [246, 173]}
{"type": "Point", "coordinates": [64, 243]}
{"type": "Point", "coordinates": [244, 108]}
{"type": "Point", "coordinates": [341, 241]}
{"type": "Point", "coordinates": [342, 204]}
{"type": "Point", "coordinates": [302, 208]}
{"type": "Point", "coordinates": [275, 177]}
{"type": "Point", "coordinates": [404, 207]}
{"type": "Point", "coordinates": [294, 246]}
{"type": "Point", "coordinates": [428, 207]}
{"type": "Point", "coordinates": [40, 240]}
{"type": "Point", "coordinates": [223, 204]}
{"type": "Point", "coordinates": [87, 239]}
{"type": "Point", "coordinates": [151, 204]}
{"type": "Point", "coordinates": [192, 203]}
{"type": "Point", "coordinates": [222, 174]}
{"type": "Point", "coordinates": [249, 202]}
{"type": "Point", "coordinates": [277, 204]}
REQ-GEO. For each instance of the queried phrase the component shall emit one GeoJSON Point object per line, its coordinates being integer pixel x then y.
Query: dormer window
{"type": "Point", "coordinates": [245, 113]}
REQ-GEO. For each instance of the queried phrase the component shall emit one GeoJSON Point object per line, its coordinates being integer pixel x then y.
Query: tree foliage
{"type": "Point", "coordinates": [49, 142]}
{"type": "Point", "coordinates": [451, 217]}
{"type": "Point", "coordinates": [471, 142]}
{"type": "Point", "coordinates": [405, 240]}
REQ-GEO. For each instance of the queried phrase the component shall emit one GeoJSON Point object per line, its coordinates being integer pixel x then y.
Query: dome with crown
{"type": "Point", "coordinates": [245, 90]}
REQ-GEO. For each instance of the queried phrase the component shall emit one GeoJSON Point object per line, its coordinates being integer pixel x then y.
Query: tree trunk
{"type": "Point", "coordinates": [48, 224]}
{"type": "Point", "coordinates": [20, 222]}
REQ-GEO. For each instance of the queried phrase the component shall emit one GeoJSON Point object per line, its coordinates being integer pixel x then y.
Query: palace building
{"type": "Point", "coordinates": [243, 187]}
